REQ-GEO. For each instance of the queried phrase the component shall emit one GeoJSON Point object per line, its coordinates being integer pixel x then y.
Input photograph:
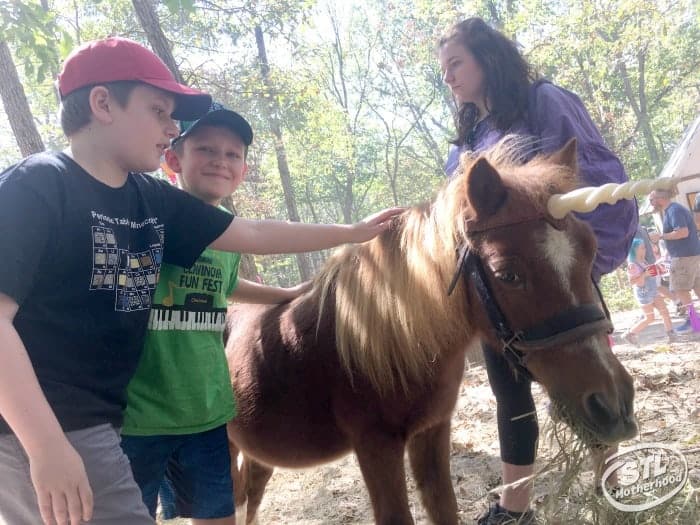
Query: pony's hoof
{"type": "Point", "coordinates": [241, 514]}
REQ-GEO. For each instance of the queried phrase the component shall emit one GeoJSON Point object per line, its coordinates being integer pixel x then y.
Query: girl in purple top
{"type": "Point", "coordinates": [498, 93]}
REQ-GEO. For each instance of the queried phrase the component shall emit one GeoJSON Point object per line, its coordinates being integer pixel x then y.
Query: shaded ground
{"type": "Point", "coordinates": [667, 384]}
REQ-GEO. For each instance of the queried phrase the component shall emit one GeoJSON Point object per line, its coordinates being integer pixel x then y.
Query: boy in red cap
{"type": "Point", "coordinates": [83, 234]}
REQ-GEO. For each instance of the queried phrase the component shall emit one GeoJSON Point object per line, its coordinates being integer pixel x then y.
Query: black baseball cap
{"type": "Point", "coordinates": [218, 115]}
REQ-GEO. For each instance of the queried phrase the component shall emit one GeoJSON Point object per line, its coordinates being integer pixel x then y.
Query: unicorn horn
{"type": "Point", "coordinates": [588, 198]}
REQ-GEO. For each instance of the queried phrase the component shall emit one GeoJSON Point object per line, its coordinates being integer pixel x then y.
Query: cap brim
{"type": "Point", "coordinates": [226, 118]}
{"type": "Point", "coordinates": [190, 103]}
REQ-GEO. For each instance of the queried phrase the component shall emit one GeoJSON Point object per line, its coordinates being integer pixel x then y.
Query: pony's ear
{"type": "Point", "coordinates": [485, 189]}
{"type": "Point", "coordinates": [566, 156]}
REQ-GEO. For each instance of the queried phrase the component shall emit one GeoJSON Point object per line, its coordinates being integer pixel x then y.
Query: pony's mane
{"type": "Point", "coordinates": [392, 314]}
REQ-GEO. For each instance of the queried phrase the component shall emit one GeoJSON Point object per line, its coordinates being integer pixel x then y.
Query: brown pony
{"type": "Point", "coordinates": [371, 359]}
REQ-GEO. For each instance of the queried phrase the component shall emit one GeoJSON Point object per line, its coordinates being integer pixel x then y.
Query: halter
{"type": "Point", "coordinates": [560, 329]}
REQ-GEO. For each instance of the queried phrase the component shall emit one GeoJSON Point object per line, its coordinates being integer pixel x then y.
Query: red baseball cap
{"type": "Point", "coordinates": [114, 59]}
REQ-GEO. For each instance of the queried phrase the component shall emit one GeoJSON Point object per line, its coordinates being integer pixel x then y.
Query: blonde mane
{"type": "Point", "coordinates": [392, 314]}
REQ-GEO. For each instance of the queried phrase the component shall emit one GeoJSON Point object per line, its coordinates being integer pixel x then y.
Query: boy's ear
{"type": "Point", "coordinates": [101, 104]}
{"type": "Point", "coordinates": [172, 161]}
{"type": "Point", "coordinates": [245, 171]}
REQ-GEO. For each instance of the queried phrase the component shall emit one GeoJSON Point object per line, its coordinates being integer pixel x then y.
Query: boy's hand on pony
{"type": "Point", "coordinates": [300, 289]}
{"type": "Point", "coordinates": [373, 225]}
{"type": "Point", "coordinates": [61, 484]}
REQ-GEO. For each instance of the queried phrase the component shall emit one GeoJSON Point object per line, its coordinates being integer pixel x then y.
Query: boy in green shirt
{"type": "Point", "coordinates": [180, 399]}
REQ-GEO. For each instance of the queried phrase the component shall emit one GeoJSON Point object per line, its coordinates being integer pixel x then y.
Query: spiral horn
{"type": "Point", "coordinates": [589, 198]}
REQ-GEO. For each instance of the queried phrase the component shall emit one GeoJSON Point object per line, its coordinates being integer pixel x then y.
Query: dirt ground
{"type": "Point", "coordinates": [667, 403]}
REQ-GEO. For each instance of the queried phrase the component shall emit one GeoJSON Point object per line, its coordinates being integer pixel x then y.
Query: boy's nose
{"type": "Point", "coordinates": [218, 160]}
{"type": "Point", "coordinates": [173, 129]}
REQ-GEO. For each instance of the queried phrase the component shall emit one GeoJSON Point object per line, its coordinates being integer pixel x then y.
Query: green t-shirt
{"type": "Point", "coordinates": [182, 383]}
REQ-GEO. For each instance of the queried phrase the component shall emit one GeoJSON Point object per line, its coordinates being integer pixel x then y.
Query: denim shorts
{"type": "Point", "coordinates": [191, 471]}
{"type": "Point", "coordinates": [647, 293]}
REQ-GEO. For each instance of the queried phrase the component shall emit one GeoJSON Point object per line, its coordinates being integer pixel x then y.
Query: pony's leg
{"type": "Point", "coordinates": [429, 453]}
{"type": "Point", "coordinates": [257, 475]}
{"type": "Point", "coordinates": [240, 488]}
{"type": "Point", "coordinates": [381, 460]}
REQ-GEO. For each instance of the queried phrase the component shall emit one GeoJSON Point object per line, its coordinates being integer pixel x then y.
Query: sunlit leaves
{"type": "Point", "coordinates": [33, 35]}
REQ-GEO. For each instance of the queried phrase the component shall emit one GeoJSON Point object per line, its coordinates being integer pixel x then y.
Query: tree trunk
{"type": "Point", "coordinates": [146, 13]}
{"type": "Point", "coordinates": [272, 110]}
{"type": "Point", "coordinates": [16, 106]}
{"type": "Point", "coordinates": [639, 106]}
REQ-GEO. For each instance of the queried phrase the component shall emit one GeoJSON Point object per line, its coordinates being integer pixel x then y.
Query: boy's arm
{"type": "Point", "coordinates": [250, 292]}
{"type": "Point", "coordinates": [57, 471]}
{"type": "Point", "coordinates": [265, 237]}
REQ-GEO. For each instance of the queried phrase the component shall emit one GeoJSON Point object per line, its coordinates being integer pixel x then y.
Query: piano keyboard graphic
{"type": "Point", "coordinates": [170, 319]}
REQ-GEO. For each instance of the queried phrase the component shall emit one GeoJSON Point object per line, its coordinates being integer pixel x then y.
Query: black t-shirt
{"type": "Point", "coordinates": [82, 260]}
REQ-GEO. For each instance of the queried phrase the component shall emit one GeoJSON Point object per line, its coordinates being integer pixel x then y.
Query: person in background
{"type": "Point", "coordinates": [642, 276]}
{"type": "Point", "coordinates": [681, 237]}
{"type": "Point", "coordinates": [497, 93]}
{"type": "Point", "coordinates": [643, 235]}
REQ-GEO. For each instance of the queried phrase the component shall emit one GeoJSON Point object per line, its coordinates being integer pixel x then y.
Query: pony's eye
{"type": "Point", "coordinates": [507, 277]}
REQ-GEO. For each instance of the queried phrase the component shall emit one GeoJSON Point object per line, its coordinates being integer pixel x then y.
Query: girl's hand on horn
{"type": "Point", "coordinates": [371, 226]}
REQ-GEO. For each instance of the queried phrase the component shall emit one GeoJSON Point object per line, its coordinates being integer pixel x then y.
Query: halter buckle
{"type": "Point", "coordinates": [508, 346]}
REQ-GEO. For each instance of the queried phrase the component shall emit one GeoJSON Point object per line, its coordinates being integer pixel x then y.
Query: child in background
{"type": "Point", "coordinates": [643, 280]}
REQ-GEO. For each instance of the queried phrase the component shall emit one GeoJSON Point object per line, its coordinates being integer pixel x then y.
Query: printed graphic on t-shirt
{"type": "Point", "coordinates": [131, 276]}
{"type": "Point", "coordinates": [190, 302]}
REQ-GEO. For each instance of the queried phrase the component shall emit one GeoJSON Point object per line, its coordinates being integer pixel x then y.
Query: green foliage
{"type": "Point", "coordinates": [635, 81]}
{"type": "Point", "coordinates": [617, 292]}
{"type": "Point", "coordinates": [177, 6]}
{"type": "Point", "coordinates": [34, 36]}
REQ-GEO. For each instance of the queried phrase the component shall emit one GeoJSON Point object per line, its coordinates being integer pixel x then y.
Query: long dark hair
{"type": "Point", "coordinates": [507, 75]}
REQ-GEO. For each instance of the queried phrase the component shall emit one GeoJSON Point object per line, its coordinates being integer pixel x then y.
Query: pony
{"type": "Point", "coordinates": [370, 359]}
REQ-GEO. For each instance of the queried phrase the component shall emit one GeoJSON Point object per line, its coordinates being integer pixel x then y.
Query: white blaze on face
{"type": "Point", "coordinates": [601, 351]}
{"type": "Point", "coordinates": [559, 250]}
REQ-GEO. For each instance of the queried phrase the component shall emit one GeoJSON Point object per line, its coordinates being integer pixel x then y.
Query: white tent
{"type": "Point", "coordinates": [685, 163]}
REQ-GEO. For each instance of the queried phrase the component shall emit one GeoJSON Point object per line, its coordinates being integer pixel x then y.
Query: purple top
{"type": "Point", "coordinates": [555, 116]}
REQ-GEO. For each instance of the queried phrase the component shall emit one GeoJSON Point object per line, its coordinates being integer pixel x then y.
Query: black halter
{"type": "Point", "coordinates": [573, 324]}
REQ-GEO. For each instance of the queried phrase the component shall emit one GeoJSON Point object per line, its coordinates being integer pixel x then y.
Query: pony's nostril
{"type": "Point", "coordinates": [598, 409]}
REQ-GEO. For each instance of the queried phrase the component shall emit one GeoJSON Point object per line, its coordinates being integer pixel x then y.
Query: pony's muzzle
{"type": "Point", "coordinates": [612, 421]}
